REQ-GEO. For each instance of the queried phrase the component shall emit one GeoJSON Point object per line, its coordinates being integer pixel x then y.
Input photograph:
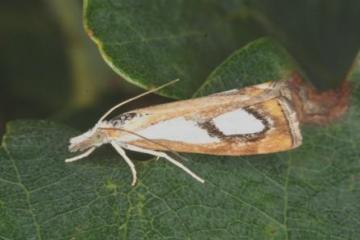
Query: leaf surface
{"type": "Point", "coordinates": [308, 193]}
{"type": "Point", "coordinates": [152, 42]}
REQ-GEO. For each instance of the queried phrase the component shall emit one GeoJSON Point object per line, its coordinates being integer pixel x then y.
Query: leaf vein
{"type": "Point", "coordinates": [25, 189]}
{"type": "Point", "coordinates": [251, 206]}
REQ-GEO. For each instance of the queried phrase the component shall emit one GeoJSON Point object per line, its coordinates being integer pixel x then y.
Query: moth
{"type": "Point", "coordinates": [253, 120]}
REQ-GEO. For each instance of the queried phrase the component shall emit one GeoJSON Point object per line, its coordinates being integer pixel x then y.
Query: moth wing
{"type": "Point", "coordinates": [228, 128]}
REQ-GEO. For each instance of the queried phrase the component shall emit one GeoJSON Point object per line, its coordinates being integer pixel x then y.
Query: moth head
{"type": "Point", "coordinates": [94, 137]}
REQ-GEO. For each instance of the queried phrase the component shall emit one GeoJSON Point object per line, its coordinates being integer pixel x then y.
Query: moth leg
{"type": "Point", "coordinates": [83, 155]}
{"type": "Point", "coordinates": [127, 160]}
{"type": "Point", "coordinates": [167, 157]}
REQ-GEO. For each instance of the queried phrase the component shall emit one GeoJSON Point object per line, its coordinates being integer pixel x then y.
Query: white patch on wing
{"type": "Point", "coordinates": [238, 122]}
{"type": "Point", "coordinates": [177, 129]}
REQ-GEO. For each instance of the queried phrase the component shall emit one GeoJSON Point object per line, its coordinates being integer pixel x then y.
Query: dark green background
{"type": "Point", "coordinates": [50, 69]}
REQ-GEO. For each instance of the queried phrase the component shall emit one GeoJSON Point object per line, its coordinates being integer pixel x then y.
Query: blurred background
{"type": "Point", "coordinates": [50, 69]}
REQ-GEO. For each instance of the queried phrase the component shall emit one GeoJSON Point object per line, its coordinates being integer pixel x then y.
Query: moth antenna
{"type": "Point", "coordinates": [149, 140]}
{"type": "Point", "coordinates": [134, 98]}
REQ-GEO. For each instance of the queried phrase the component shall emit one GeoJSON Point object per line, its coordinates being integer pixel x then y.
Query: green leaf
{"type": "Point", "coordinates": [152, 42]}
{"type": "Point", "coordinates": [170, 39]}
{"type": "Point", "coordinates": [308, 193]}
{"type": "Point", "coordinates": [259, 61]}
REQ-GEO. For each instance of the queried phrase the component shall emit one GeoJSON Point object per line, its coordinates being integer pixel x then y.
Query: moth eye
{"type": "Point", "coordinates": [98, 136]}
{"type": "Point", "coordinates": [117, 122]}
